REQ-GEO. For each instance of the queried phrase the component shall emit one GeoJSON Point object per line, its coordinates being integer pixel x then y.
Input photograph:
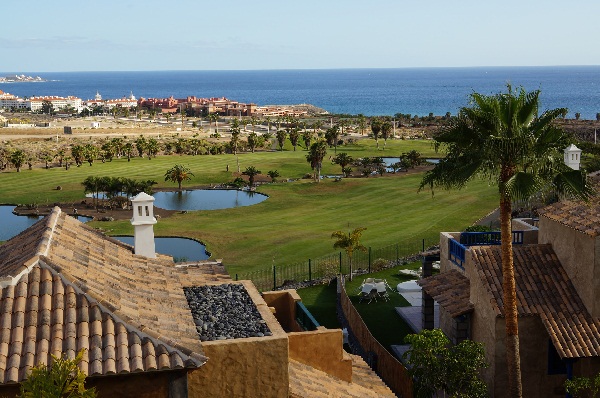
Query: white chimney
{"type": "Point", "coordinates": [143, 222]}
{"type": "Point", "coordinates": [573, 157]}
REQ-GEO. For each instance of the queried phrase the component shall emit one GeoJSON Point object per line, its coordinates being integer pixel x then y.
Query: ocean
{"type": "Point", "coordinates": [416, 91]}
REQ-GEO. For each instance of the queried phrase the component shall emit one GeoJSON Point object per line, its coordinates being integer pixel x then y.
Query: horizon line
{"type": "Point", "coordinates": [306, 69]}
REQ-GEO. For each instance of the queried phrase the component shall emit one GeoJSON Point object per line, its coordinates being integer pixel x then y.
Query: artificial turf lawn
{"type": "Point", "coordinates": [380, 317]}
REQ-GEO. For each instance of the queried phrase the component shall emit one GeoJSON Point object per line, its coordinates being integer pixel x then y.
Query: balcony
{"type": "Point", "coordinates": [457, 249]}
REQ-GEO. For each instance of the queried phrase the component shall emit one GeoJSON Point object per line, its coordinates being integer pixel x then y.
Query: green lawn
{"type": "Point", "coordinates": [296, 222]}
{"type": "Point", "coordinates": [380, 317]}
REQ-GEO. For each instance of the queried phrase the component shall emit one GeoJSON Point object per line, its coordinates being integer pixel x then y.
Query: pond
{"type": "Point", "coordinates": [389, 161]}
{"type": "Point", "coordinates": [11, 224]}
{"type": "Point", "coordinates": [206, 199]}
{"type": "Point", "coordinates": [182, 249]}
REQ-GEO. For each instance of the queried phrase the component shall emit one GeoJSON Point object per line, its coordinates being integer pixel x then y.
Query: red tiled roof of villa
{"type": "Point", "coordinates": [581, 216]}
{"type": "Point", "coordinates": [66, 287]}
{"type": "Point", "coordinates": [451, 291]}
{"type": "Point", "coordinates": [544, 290]}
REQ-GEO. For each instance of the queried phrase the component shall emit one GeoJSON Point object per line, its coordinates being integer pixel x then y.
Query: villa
{"type": "Point", "coordinates": [557, 269]}
{"type": "Point", "coordinates": [153, 328]}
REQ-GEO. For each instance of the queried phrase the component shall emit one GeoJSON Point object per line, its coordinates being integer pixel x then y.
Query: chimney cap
{"type": "Point", "coordinates": [143, 197]}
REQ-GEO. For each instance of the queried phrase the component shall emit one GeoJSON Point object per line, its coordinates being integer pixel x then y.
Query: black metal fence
{"type": "Point", "coordinates": [327, 267]}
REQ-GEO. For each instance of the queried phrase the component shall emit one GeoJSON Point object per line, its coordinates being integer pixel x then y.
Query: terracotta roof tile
{"type": "Point", "coordinates": [451, 290]}
{"type": "Point", "coordinates": [544, 290]}
{"type": "Point", "coordinates": [67, 288]}
{"type": "Point", "coordinates": [581, 216]}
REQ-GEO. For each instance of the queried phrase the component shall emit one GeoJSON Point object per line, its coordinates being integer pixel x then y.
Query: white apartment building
{"type": "Point", "coordinates": [35, 103]}
{"type": "Point", "coordinates": [8, 101]}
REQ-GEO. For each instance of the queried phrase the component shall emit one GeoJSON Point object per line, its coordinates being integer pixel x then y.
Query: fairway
{"type": "Point", "coordinates": [297, 220]}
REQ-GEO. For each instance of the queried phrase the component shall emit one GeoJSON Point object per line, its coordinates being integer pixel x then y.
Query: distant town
{"type": "Point", "coordinates": [191, 105]}
{"type": "Point", "coordinates": [21, 78]}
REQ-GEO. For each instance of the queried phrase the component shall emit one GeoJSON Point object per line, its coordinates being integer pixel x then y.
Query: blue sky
{"type": "Point", "coordinates": [65, 35]}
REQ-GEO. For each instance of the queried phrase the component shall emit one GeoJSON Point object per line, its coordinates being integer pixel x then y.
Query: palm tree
{"type": "Point", "coordinates": [307, 137]}
{"type": "Point", "coordinates": [349, 242]}
{"type": "Point", "coordinates": [273, 174]}
{"type": "Point", "coordinates": [281, 136]}
{"type": "Point", "coordinates": [502, 138]}
{"type": "Point", "coordinates": [376, 129]}
{"type": "Point", "coordinates": [178, 174]}
{"type": "Point", "coordinates": [315, 156]}
{"type": "Point", "coordinates": [386, 131]}
{"type": "Point", "coordinates": [294, 137]}
{"type": "Point", "coordinates": [251, 172]}
{"type": "Point", "coordinates": [362, 123]}
{"type": "Point", "coordinates": [343, 159]}
{"type": "Point", "coordinates": [18, 158]}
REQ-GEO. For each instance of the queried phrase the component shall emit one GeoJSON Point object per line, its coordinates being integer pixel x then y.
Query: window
{"type": "Point", "coordinates": [147, 211]}
{"type": "Point", "coordinates": [556, 366]}
{"type": "Point", "coordinates": [139, 211]}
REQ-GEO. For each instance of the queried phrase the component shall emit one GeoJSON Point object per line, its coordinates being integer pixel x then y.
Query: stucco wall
{"type": "Point", "coordinates": [322, 349]}
{"type": "Point", "coordinates": [533, 347]}
{"type": "Point", "coordinates": [284, 302]}
{"type": "Point", "coordinates": [578, 254]}
{"type": "Point", "coordinates": [445, 263]}
{"type": "Point", "coordinates": [253, 367]}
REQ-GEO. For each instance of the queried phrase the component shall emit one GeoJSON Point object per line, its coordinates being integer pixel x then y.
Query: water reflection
{"type": "Point", "coordinates": [182, 249]}
{"type": "Point", "coordinates": [206, 199]}
{"type": "Point", "coordinates": [12, 224]}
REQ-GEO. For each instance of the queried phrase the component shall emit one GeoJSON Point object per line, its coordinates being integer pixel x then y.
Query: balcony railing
{"type": "Point", "coordinates": [457, 250]}
{"type": "Point", "coordinates": [305, 318]}
{"type": "Point", "coordinates": [488, 238]}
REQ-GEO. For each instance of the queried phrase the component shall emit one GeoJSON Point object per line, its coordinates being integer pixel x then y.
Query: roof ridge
{"type": "Point", "coordinates": [142, 331]}
{"type": "Point", "coordinates": [47, 235]}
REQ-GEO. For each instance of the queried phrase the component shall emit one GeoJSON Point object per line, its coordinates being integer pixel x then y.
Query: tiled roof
{"type": "Point", "coordinates": [451, 290]}
{"type": "Point", "coordinates": [120, 297]}
{"type": "Point", "coordinates": [308, 382]}
{"type": "Point", "coordinates": [44, 315]}
{"type": "Point", "coordinates": [544, 290]}
{"type": "Point", "coordinates": [581, 216]}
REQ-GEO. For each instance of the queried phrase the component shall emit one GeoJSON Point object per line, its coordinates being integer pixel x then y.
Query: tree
{"type": "Point", "coordinates": [294, 137]}
{"type": "Point", "coordinates": [90, 153]}
{"type": "Point", "coordinates": [435, 366]}
{"type": "Point", "coordinates": [152, 148]}
{"type": "Point", "coordinates": [413, 157]}
{"type": "Point", "coordinates": [61, 379]}
{"type": "Point", "coordinates": [501, 138]}
{"type": "Point", "coordinates": [234, 128]}
{"type": "Point", "coordinates": [315, 156]}
{"type": "Point", "coordinates": [362, 123]}
{"type": "Point", "coordinates": [273, 174]}
{"type": "Point", "coordinates": [376, 129]}
{"type": "Point", "coordinates": [343, 159]}
{"type": "Point", "coordinates": [332, 135]}
{"type": "Point", "coordinates": [307, 137]}
{"type": "Point", "coordinates": [386, 131]}
{"type": "Point", "coordinates": [92, 185]}
{"type": "Point", "coordinates": [47, 107]}
{"type": "Point", "coordinates": [583, 386]}
{"type": "Point", "coordinates": [349, 242]}
{"type": "Point", "coordinates": [178, 174]}
{"type": "Point", "coordinates": [281, 136]}
{"type": "Point", "coordinates": [251, 172]}
{"type": "Point", "coordinates": [18, 158]}
{"type": "Point", "coordinates": [254, 140]}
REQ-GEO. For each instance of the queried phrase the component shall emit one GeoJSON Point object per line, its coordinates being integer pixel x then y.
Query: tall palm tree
{"type": "Point", "coordinates": [349, 242]}
{"type": "Point", "coordinates": [386, 131]}
{"type": "Point", "coordinates": [315, 156]}
{"type": "Point", "coordinates": [502, 138]}
{"type": "Point", "coordinates": [376, 129]}
{"type": "Point", "coordinates": [178, 174]}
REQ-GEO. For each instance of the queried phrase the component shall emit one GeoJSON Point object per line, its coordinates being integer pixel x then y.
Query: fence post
{"type": "Point", "coordinates": [274, 277]}
{"type": "Point", "coordinates": [369, 259]}
{"type": "Point", "coordinates": [309, 271]}
{"type": "Point", "coordinates": [340, 262]}
{"type": "Point", "coordinates": [236, 277]}
{"type": "Point", "coordinates": [397, 255]}
{"type": "Point", "coordinates": [423, 245]}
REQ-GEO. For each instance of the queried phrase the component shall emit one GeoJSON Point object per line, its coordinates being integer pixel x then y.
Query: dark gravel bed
{"type": "Point", "coordinates": [225, 312]}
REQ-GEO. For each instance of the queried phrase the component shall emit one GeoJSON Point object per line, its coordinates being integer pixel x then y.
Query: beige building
{"type": "Point", "coordinates": [66, 287]}
{"type": "Point", "coordinates": [557, 271]}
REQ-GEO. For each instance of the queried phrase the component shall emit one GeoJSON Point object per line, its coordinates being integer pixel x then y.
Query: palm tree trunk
{"type": "Point", "coordinates": [513, 358]}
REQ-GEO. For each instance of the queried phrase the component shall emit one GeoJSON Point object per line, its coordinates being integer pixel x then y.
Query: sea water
{"type": "Point", "coordinates": [416, 91]}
